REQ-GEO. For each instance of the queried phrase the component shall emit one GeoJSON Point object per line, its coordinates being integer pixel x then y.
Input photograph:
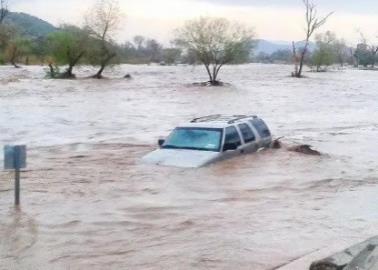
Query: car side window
{"type": "Point", "coordinates": [261, 128]}
{"type": "Point", "coordinates": [247, 133]}
{"type": "Point", "coordinates": [232, 136]}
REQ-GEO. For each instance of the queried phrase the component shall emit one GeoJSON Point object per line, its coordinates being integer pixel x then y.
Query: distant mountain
{"type": "Point", "coordinates": [269, 47]}
{"type": "Point", "coordinates": [28, 25]}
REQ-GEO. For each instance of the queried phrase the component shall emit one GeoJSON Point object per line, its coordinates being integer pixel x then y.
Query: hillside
{"type": "Point", "coordinates": [268, 47]}
{"type": "Point", "coordinates": [30, 26]}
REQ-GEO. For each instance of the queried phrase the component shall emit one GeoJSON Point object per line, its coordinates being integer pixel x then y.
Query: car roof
{"type": "Point", "coordinates": [218, 121]}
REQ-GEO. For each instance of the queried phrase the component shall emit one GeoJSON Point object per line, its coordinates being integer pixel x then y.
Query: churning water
{"type": "Point", "coordinates": [88, 202]}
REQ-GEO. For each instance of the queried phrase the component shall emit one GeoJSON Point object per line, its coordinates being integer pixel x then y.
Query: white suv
{"type": "Point", "coordinates": [209, 139]}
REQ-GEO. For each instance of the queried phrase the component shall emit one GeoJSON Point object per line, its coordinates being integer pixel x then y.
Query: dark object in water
{"type": "Point", "coordinates": [326, 266]}
{"type": "Point", "coordinates": [210, 83]}
{"type": "Point", "coordinates": [276, 144]}
{"type": "Point", "coordinates": [127, 76]}
{"type": "Point", "coordinates": [304, 149]}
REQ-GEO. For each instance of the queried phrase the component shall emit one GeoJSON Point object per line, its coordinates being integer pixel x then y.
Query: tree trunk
{"type": "Point", "coordinates": [69, 74]}
{"type": "Point", "coordinates": [301, 61]}
{"type": "Point", "coordinates": [209, 73]}
{"type": "Point", "coordinates": [99, 72]}
{"type": "Point", "coordinates": [214, 81]}
{"type": "Point", "coordinates": [13, 62]}
{"type": "Point", "coordinates": [52, 71]}
{"type": "Point", "coordinates": [295, 60]}
{"type": "Point", "coordinates": [13, 58]}
{"type": "Point", "coordinates": [103, 65]}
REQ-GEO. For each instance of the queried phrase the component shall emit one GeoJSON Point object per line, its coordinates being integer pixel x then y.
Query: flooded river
{"type": "Point", "coordinates": [89, 203]}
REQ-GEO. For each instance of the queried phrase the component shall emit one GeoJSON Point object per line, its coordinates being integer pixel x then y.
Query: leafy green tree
{"type": "Point", "coordinates": [216, 42]}
{"type": "Point", "coordinates": [40, 49]}
{"type": "Point", "coordinates": [171, 55]}
{"type": "Point", "coordinates": [364, 55]}
{"type": "Point", "coordinates": [325, 53]}
{"type": "Point", "coordinates": [17, 48]}
{"type": "Point", "coordinates": [154, 51]}
{"type": "Point", "coordinates": [342, 52]}
{"type": "Point", "coordinates": [68, 47]}
{"type": "Point", "coordinates": [7, 32]}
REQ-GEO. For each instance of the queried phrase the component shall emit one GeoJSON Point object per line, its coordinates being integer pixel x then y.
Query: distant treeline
{"type": "Point", "coordinates": [328, 51]}
{"type": "Point", "coordinates": [213, 42]}
{"type": "Point", "coordinates": [71, 45]}
{"type": "Point", "coordinates": [16, 48]}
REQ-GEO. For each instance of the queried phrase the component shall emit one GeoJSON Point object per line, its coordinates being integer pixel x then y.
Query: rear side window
{"type": "Point", "coordinates": [232, 136]}
{"type": "Point", "coordinates": [247, 133]}
{"type": "Point", "coordinates": [261, 128]}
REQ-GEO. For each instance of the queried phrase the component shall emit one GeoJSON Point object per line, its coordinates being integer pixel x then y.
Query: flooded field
{"type": "Point", "coordinates": [89, 203]}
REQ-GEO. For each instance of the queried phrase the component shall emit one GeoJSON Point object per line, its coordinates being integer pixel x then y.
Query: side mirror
{"type": "Point", "coordinates": [230, 147]}
{"type": "Point", "coordinates": [161, 142]}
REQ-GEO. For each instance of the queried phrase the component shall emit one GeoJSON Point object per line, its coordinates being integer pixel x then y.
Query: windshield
{"type": "Point", "coordinates": [205, 139]}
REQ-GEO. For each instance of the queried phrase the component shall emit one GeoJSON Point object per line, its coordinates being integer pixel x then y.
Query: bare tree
{"type": "Point", "coordinates": [102, 22]}
{"type": "Point", "coordinates": [216, 42]}
{"type": "Point", "coordinates": [3, 10]}
{"type": "Point", "coordinates": [313, 22]}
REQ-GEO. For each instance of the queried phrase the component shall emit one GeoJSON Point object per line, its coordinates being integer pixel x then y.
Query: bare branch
{"type": "Point", "coordinates": [3, 10]}
{"type": "Point", "coordinates": [312, 23]}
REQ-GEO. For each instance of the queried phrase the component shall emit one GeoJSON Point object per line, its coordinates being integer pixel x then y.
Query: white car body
{"type": "Point", "coordinates": [232, 129]}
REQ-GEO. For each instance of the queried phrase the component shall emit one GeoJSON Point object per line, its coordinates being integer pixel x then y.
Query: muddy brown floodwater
{"type": "Point", "coordinates": [89, 203]}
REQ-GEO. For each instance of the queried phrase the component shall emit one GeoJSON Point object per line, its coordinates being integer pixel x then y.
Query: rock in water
{"type": "Point", "coordinates": [304, 149]}
{"type": "Point", "coordinates": [127, 76]}
{"type": "Point", "coordinates": [326, 266]}
{"type": "Point", "coordinates": [276, 144]}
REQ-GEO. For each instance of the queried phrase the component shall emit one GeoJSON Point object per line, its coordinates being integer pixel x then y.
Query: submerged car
{"type": "Point", "coordinates": [209, 139]}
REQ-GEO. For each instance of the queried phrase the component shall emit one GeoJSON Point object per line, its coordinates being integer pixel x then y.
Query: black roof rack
{"type": "Point", "coordinates": [206, 118]}
{"type": "Point", "coordinates": [218, 117]}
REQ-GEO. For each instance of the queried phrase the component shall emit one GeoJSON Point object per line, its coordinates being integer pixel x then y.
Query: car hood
{"type": "Point", "coordinates": [180, 158]}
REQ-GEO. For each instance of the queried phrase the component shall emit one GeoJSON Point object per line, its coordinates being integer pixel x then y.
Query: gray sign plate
{"type": "Point", "coordinates": [14, 157]}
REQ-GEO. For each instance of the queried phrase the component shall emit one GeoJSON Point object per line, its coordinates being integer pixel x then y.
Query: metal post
{"type": "Point", "coordinates": [17, 178]}
{"type": "Point", "coordinates": [17, 187]}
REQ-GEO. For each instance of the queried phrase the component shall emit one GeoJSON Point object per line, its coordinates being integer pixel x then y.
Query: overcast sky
{"type": "Point", "coordinates": [272, 19]}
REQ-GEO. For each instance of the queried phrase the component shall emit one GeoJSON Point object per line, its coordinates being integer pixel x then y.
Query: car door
{"type": "Point", "coordinates": [249, 138]}
{"type": "Point", "coordinates": [231, 138]}
{"type": "Point", "coordinates": [263, 132]}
